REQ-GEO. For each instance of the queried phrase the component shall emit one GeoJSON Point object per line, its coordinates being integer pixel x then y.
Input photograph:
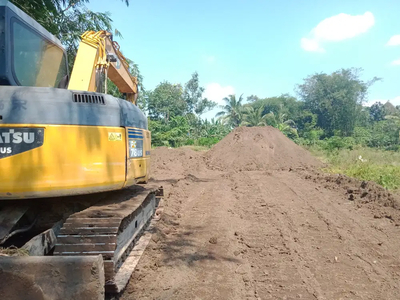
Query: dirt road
{"type": "Point", "coordinates": [255, 219]}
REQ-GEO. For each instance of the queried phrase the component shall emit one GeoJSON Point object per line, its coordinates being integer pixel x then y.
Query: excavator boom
{"type": "Point", "coordinates": [98, 58]}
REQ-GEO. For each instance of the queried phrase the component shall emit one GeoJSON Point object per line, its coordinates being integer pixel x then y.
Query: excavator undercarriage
{"type": "Point", "coordinates": [115, 225]}
{"type": "Point", "coordinates": [110, 228]}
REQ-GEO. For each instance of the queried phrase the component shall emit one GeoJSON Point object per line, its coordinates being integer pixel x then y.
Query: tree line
{"type": "Point", "coordinates": [328, 110]}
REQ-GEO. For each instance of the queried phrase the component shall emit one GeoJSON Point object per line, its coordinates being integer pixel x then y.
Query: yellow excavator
{"type": "Point", "coordinates": [63, 137]}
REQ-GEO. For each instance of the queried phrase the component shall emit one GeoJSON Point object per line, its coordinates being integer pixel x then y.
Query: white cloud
{"type": "Point", "coordinates": [337, 28]}
{"type": "Point", "coordinates": [343, 26]}
{"type": "Point", "coordinates": [396, 62]}
{"type": "Point", "coordinates": [216, 92]}
{"type": "Point", "coordinates": [394, 41]}
{"type": "Point", "coordinates": [311, 45]}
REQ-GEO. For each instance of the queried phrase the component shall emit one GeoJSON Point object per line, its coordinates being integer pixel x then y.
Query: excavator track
{"type": "Point", "coordinates": [111, 228]}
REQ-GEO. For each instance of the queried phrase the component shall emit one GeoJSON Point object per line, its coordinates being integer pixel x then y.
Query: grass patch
{"type": "Point", "coordinates": [13, 251]}
{"type": "Point", "coordinates": [382, 167]}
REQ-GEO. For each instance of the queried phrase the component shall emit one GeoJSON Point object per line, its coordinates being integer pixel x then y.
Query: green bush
{"type": "Point", "coordinates": [302, 141]}
{"type": "Point", "coordinates": [189, 142]}
{"type": "Point", "coordinates": [362, 136]}
{"type": "Point", "coordinates": [337, 143]}
{"type": "Point", "coordinates": [207, 141]}
{"type": "Point", "coordinates": [384, 134]}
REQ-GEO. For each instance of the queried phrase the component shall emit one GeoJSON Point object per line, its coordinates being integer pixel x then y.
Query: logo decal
{"type": "Point", "coordinates": [17, 140]}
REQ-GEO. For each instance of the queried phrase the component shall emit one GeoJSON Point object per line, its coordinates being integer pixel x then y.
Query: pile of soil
{"type": "Point", "coordinates": [369, 193]}
{"type": "Point", "coordinates": [278, 231]}
{"type": "Point", "coordinates": [265, 148]}
{"type": "Point", "coordinates": [258, 148]}
{"type": "Point", "coordinates": [174, 162]}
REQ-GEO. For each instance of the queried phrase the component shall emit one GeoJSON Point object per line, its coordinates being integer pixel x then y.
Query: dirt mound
{"type": "Point", "coordinates": [258, 148]}
{"type": "Point", "coordinates": [359, 191]}
{"type": "Point", "coordinates": [266, 234]}
{"type": "Point", "coordinates": [174, 162]}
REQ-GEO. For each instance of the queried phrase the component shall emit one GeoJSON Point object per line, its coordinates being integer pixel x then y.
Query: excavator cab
{"type": "Point", "coordinates": [30, 55]}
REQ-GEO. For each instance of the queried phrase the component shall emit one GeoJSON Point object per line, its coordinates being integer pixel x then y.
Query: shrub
{"type": "Point", "coordinates": [207, 141]}
{"type": "Point", "coordinates": [338, 143]}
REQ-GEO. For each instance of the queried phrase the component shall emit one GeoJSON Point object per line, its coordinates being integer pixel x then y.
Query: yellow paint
{"type": "Point", "coordinates": [72, 160]}
{"type": "Point", "coordinates": [92, 57]}
{"type": "Point", "coordinates": [126, 82]}
{"type": "Point", "coordinates": [83, 73]}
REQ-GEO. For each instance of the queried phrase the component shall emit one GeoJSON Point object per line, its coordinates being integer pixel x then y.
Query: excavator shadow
{"type": "Point", "coordinates": [185, 245]}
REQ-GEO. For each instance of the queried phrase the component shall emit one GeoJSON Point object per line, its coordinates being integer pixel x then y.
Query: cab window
{"type": "Point", "coordinates": [36, 61]}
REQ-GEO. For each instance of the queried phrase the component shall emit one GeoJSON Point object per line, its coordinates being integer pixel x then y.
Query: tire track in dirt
{"type": "Point", "coordinates": [266, 230]}
{"type": "Point", "coordinates": [197, 260]}
{"type": "Point", "coordinates": [358, 241]}
{"type": "Point", "coordinates": [283, 269]}
{"type": "Point", "coordinates": [334, 255]}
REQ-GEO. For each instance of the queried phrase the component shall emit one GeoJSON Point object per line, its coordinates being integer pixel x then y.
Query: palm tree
{"type": "Point", "coordinates": [279, 121]}
{"type": "Point", "coordinates": [232, 111]}
{"type": "Point", "coordinates": [254, 116]}
{"type": "Point", "coordinates": [216, 129]}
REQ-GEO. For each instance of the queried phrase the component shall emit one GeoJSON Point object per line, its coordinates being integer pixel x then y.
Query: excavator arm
{"type": "Point", "coordinates": [99, 58]}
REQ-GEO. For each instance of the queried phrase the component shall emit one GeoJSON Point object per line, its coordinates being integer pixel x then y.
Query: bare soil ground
{"type": "Point", "coordinates": [254, 218]}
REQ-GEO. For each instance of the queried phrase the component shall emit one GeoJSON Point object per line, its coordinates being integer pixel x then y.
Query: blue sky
{"type": "Point", "coordinates": [259, 47]}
